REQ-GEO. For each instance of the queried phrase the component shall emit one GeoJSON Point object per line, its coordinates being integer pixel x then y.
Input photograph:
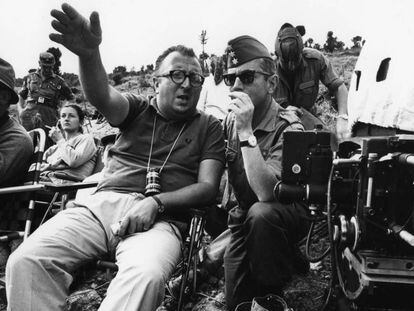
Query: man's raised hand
{"type": "Point", "coordinates": [76, 33]}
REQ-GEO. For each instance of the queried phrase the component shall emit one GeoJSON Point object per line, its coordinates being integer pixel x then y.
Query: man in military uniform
{"type": "Point", "coordinates": [300, 70]}
{"type": "Point", "coordinates": [262, 254]}
{"type": "Point", "coordinates": [42, 91]}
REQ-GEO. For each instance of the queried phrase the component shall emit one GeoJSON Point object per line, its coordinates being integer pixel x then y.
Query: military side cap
{"type": "Point", "coordinates": [243, 49]}
{"type": "Point", "coordinates": [7, 79]}
{"type": "Point", "coordinates": [47, 58]}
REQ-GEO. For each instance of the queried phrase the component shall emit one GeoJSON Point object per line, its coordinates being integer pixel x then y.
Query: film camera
{"type": "Point", "coordinates": [365, 194]}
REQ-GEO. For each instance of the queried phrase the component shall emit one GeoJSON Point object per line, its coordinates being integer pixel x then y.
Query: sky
{"type": "Point", "coordinates": [135, 32]}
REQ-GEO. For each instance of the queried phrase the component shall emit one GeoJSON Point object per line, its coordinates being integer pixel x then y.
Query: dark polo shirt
{"type": "Point", "coordinates": [314, 68]}
{"type": "Point", "coordinates": [270, 145]}
{"type": "Point", "coordinates": [126, 171]}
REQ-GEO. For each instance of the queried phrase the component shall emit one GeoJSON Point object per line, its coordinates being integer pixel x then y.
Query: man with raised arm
{"type": "Point", "coordinates": [169, 157]}
{"type": "Point", "coordinates": [262, 253]}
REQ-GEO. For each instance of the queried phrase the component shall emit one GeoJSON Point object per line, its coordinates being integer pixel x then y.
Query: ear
{"type": "Point", "coordinates": [272, 83]}
{"type": "Point", "coordinates": [155, 83]}
{"type": "Point", "coordinates": [301, 29]}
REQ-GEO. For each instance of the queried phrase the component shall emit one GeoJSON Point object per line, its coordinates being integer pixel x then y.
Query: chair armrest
{"type": "Point", "coordinates": [64, 176]}
{"type": "Point", "coordinates": [69, 186]}
{"type": "Point", "coordinates": [24, 188]}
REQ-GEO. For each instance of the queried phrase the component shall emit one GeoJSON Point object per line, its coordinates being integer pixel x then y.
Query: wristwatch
{"type": "Point", "coordinates": [250, 142]}
{"type": "Point", "coordinates": [161, 206]}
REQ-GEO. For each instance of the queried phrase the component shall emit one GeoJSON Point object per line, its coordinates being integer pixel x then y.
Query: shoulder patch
{"type": "Point", "coordinates": [290, 115]}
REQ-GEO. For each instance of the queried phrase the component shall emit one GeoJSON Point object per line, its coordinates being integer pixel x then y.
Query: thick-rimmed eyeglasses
{"type": "Point", "coordinates": [179, 76]}
{"type": "Point", "coordinates": [246, 77]}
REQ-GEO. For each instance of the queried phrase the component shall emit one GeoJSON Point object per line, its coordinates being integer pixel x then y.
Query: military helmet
{"type": "Point", "coordinates": [47, 59]}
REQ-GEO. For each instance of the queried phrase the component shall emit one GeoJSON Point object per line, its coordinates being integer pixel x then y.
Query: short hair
{"type": "Point", "coordinates": [185, 51]}
{"type": "Point", "coordinates": [80, 112]}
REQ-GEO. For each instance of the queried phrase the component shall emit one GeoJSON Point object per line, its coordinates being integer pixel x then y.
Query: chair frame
{"type": "Point", "coordinates": [39, 139]}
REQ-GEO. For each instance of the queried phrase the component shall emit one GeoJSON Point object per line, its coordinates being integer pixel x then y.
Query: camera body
{"type": "Point", "coordinates": [367, 195]}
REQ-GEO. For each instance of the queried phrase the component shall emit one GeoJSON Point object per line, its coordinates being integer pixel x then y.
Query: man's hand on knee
{"type": "Point", "coordinates": [139, 218]}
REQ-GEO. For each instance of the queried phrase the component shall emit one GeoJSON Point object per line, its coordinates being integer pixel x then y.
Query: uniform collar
{"type": "Point", "coordinates": [268, 123]}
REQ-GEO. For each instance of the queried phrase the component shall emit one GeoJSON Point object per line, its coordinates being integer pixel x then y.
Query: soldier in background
{"type": "Point", "coordinates": [299, 70]}
{"type": "Point", "coordinates": [41, 94]}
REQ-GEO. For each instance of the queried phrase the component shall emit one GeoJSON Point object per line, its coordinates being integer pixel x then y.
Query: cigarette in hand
{"type": "Point", "coordinates": [48, 127]}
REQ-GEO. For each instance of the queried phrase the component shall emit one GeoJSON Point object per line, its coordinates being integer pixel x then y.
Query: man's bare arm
{"type": "Point", "coordinates": [83, 37]}
{"type": "Point", "coordinates": [142, 216]}
{"type": "Point", "coordinates": [341, 95]}
{"type": "Point", "coordinates": [199, 194]}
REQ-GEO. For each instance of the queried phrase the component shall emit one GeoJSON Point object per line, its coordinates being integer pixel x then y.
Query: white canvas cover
{"type": "Point", "coordinates": [387, 103]}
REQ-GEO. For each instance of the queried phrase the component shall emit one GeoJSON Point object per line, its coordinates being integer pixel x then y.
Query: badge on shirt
{"type": "Point", "coordinates": [41, 100]}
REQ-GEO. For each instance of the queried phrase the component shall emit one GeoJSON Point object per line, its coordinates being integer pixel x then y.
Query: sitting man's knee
{"type": "Point", "coordinates": [261, 213]}
{"type": "Point", "coordinates": [18, 260]}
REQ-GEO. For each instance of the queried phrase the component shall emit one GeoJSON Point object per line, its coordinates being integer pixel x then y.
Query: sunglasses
{"type": "Point", "coordinates": [246, 77]}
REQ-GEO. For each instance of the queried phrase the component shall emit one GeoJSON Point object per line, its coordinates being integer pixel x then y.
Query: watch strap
{"type": "Point", "coordinates": [244, 143]}
{"type": "Point", "coordinates": [161, 206]}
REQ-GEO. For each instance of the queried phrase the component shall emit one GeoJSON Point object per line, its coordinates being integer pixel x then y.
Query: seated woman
{"type": "Point", "coordinates": [73, 156]}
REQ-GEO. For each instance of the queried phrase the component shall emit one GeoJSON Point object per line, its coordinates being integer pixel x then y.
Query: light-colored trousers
{"type": "Point", "coordinates": [39, 272]}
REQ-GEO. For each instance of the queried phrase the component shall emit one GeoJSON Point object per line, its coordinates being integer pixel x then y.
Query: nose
{"type": "Point", "coordinates": [237, 86]}
{"type": "Point", "coordinates": [186, 83]}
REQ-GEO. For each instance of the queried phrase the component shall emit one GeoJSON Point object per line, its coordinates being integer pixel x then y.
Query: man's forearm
{"type": "Point", "coordinates": [342, 99]}
{"type": "Point", "coordinates": [195, 195]}
{"type": "Point", "coordinates": [260, 178]}
{"type": "Point", "coordinates": [94, 79]}
{"type": "Point", "coordinates": [112, 104]}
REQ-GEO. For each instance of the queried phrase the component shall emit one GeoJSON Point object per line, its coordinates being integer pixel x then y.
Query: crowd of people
{"type": "Point", "coordinates": [169, 156]}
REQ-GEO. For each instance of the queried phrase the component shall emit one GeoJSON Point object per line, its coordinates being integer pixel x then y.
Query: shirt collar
{"type": "Point", "coordinates": [268, 123]}
{"type": "Point", "coordinates": [153, 104]}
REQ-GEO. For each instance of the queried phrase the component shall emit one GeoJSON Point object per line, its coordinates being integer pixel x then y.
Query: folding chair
{"type": "Point", "coordinates": [191, 259]}
{"type": "Point", "coordinates": [30, 186]}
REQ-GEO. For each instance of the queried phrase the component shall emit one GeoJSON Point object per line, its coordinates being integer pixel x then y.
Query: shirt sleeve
{"type": "Point", "coordinates": [214, 144]}
{"type": "Point", "coordinates": [77, 152]}
{"type": "Point", "coordinates": [274, 161]}
{"type": "Point", "coordinates": [137, 104]}
{"type": "Point", "coordinates": [15, 152]}
{"type": "Point", "coordinates": [328, 75]}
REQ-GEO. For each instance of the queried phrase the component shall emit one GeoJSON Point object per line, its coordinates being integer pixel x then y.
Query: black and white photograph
{"type": "Point", "coordinates": [191, 155]}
